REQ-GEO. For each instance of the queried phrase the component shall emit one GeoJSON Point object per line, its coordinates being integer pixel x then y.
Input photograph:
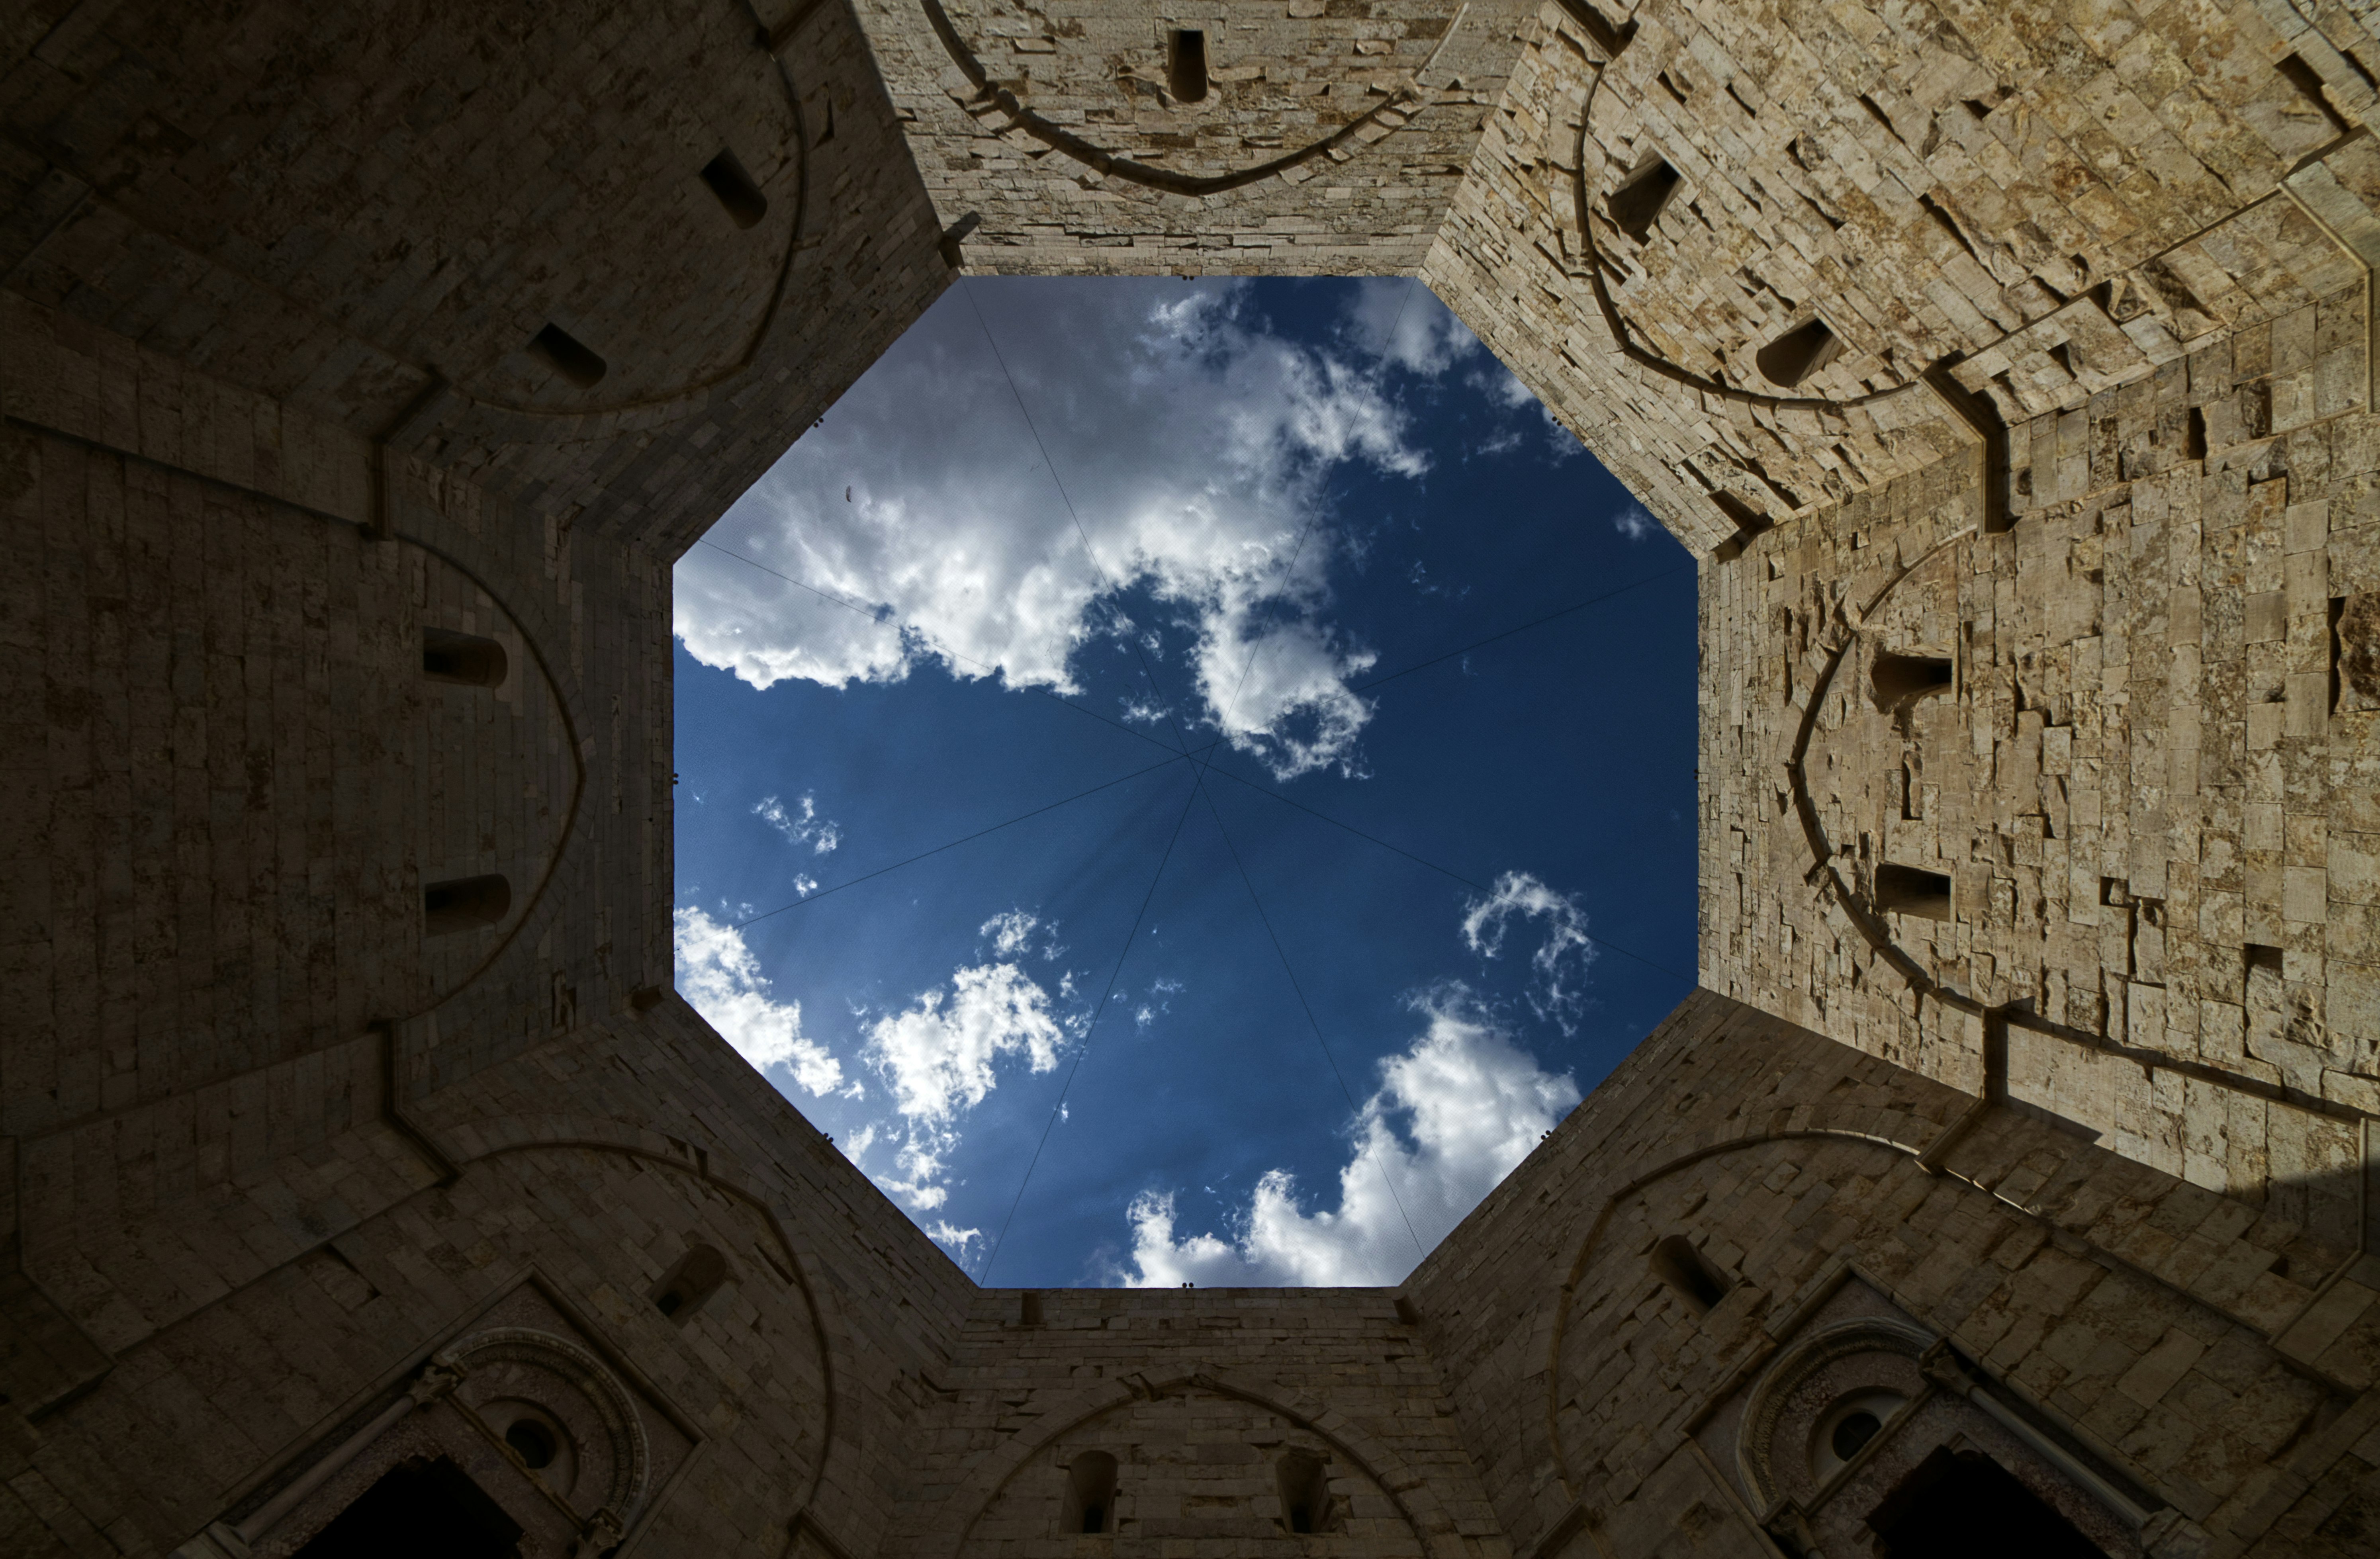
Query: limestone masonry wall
{"type": "Point", "coordinates": [2009, 367]}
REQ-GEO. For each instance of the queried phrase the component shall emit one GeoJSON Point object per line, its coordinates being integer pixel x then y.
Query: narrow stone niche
{"type": "Point", "coordinates": [465, 904]}
{"type": "Point", "coordinates": [1912, 891]}
{"type": "Point", "coordinates": [1799, 352]}
{"type": "Point", "coordinates": [738, 195]}
{"type": "Point", "coordinates": [1303, 1483]}
{"type": "Point", "coordinates": [568, 356]}
{"type": "Point", "coordinates": [1637, 202]}
{"type": "Point", "coordinates": [1090, 1505]}
{"type": "Point", "coordinates": [1677, 1262]}
{"type": "Point", "coordinates": [689, 1283]}
{"type": "Point", "coordinates": [1895, 679]}
{"type": "Point", "coordinates": [1185, 65]}
{"type": "Point", "coordinates": [464, 658]}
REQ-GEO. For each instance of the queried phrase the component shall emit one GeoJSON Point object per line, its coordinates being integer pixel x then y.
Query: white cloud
{"type": "Point", "coordinates": [939, 1054]}
{"type": "Point", "coordinates": [1502, 386]}
{"type": "Point", "coordinates": [1009, 932]}
{"type": "Point", "coordinates": [1561, 960]}
{"type": "Point", "coordinates": [940, 1058]}
{"type": "Point", "coordinates": [953, 1239]}
{"type": "Point", "coordinates": [718, 975]}
{"type": "Point", "coordinates": [1456, 1111]}
{"type": "Point", "coordinates": [1197, 448]}
{"type": "Point", "coordinates": [805, 827]}
{"type": "Point", "coordinates": [1634, 524]}
{"type": "Point", "coordinates": [1401, 321]}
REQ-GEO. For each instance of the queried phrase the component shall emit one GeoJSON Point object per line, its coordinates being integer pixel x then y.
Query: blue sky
{"type": "Point", "coordinates": [1279, 1010]}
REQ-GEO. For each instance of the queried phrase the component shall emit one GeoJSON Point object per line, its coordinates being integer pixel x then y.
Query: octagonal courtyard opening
{"type": "Point", "coordinates": [1186, 782]}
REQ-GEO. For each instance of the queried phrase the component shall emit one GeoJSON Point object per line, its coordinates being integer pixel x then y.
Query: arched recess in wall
{"type": "Point", "coordinates": [639, 209]}
{"type": "Point", "coordinates": [496, 773]}
{"type": "Point", "coordinates": [1790, 236]}
{"type": "Point", "coordinates": [1024, 1483]}
{"type": "Point", "coordinates": [1891, 1139]}
{"type": "Point", "coordinates": [770, 1254]}
{"type": "Point", "coordinates": [1877, 685]}
{"type": "Point", "coordinates": [1767, 272]}
{"type": "Point", "coordinates": [1202, 150]}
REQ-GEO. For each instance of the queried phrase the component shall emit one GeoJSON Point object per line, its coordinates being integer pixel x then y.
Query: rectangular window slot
{"type": "Point", "coordinates": [1305, 1487]}
{"type": "Point", "coordinates": [1089, 1503]}
{"type": "Point", "coordinates": [1636, 204]}
{"type": "Point", "coordinates": [465, 904]}
{"type": "Point", "coordinates": [1896, 680]}
{"type": "Point", "coordinates": [562, 352]}
{"type": "Point", "coordinates": [1690, 1274]}
{"type": "Point", "coordinates": [1799, 352]}
{"type": "Point", "coordinates": [1912, 891]}
{"type": "Point", "coordinates": [466, 658]}
{"type": "Point", "coordinates": [689, 1283]}
{"type": "Point", "coordinates": [744, 202]}
{"type": "Point", "coordinates": [1185, 65]}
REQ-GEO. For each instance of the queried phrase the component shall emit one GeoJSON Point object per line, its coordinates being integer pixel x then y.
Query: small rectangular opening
{"type": "Point", "coordinates": [1185, 65]}
{"type": "Point", "coordinates": [566, 355]}
{"type": "Point", "coordinates": [1090, 1494]}
{"type": "Point", "coordinates": [689, 1283]}
{"type": "Point", "coordinates": [1303, 1482]}
{"type": "Point", "coordinates": [1897, 679]}
{"type": "Point", "coordinates": [1799, 352]}
{"type": "Point", "coordinates": [1912, 891]}
{"type": "Point", "coordinates": [1636, 204]}
{"type": "Point", "coordinates": [465, 904]}
{"type": "Point", "coordinates": [738, 193]}
{"type": "Point", "coordinates": [464, 658]}
{"type": "Point", "coordinates": [1689, 1273]}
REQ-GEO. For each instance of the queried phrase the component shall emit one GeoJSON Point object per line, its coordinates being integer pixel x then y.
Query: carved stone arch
{"type": "Point", "coordinates": [986, 98]}
{"type": "Point", "coordinates": [379, 248]}
{"type": "Point", "coordinates": [1913, 1136]}
{"type": "Point", "coordinates": [840, 1443]}
{"type": "Point", "coordinates": [503, 744]}
{"type": "Point", "coordinates": [1904, 1134]}
{"type": "Point", "coordinates": [1873, 599]}
{"type": "Point", "coordinates": [631, 1458]}
{"type": "Point", "coordinates": [1593, 183]}
{"type": "Point", "coordinates": [1061, 1413]}
{"type": "Point", "coordinates": [1754, 1446]}
{"type": "Point", "coordinates": [457, 413]}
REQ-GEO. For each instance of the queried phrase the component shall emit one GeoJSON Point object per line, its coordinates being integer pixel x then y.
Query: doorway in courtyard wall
{"type": "Point", "coordinates": [1186, 782]}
